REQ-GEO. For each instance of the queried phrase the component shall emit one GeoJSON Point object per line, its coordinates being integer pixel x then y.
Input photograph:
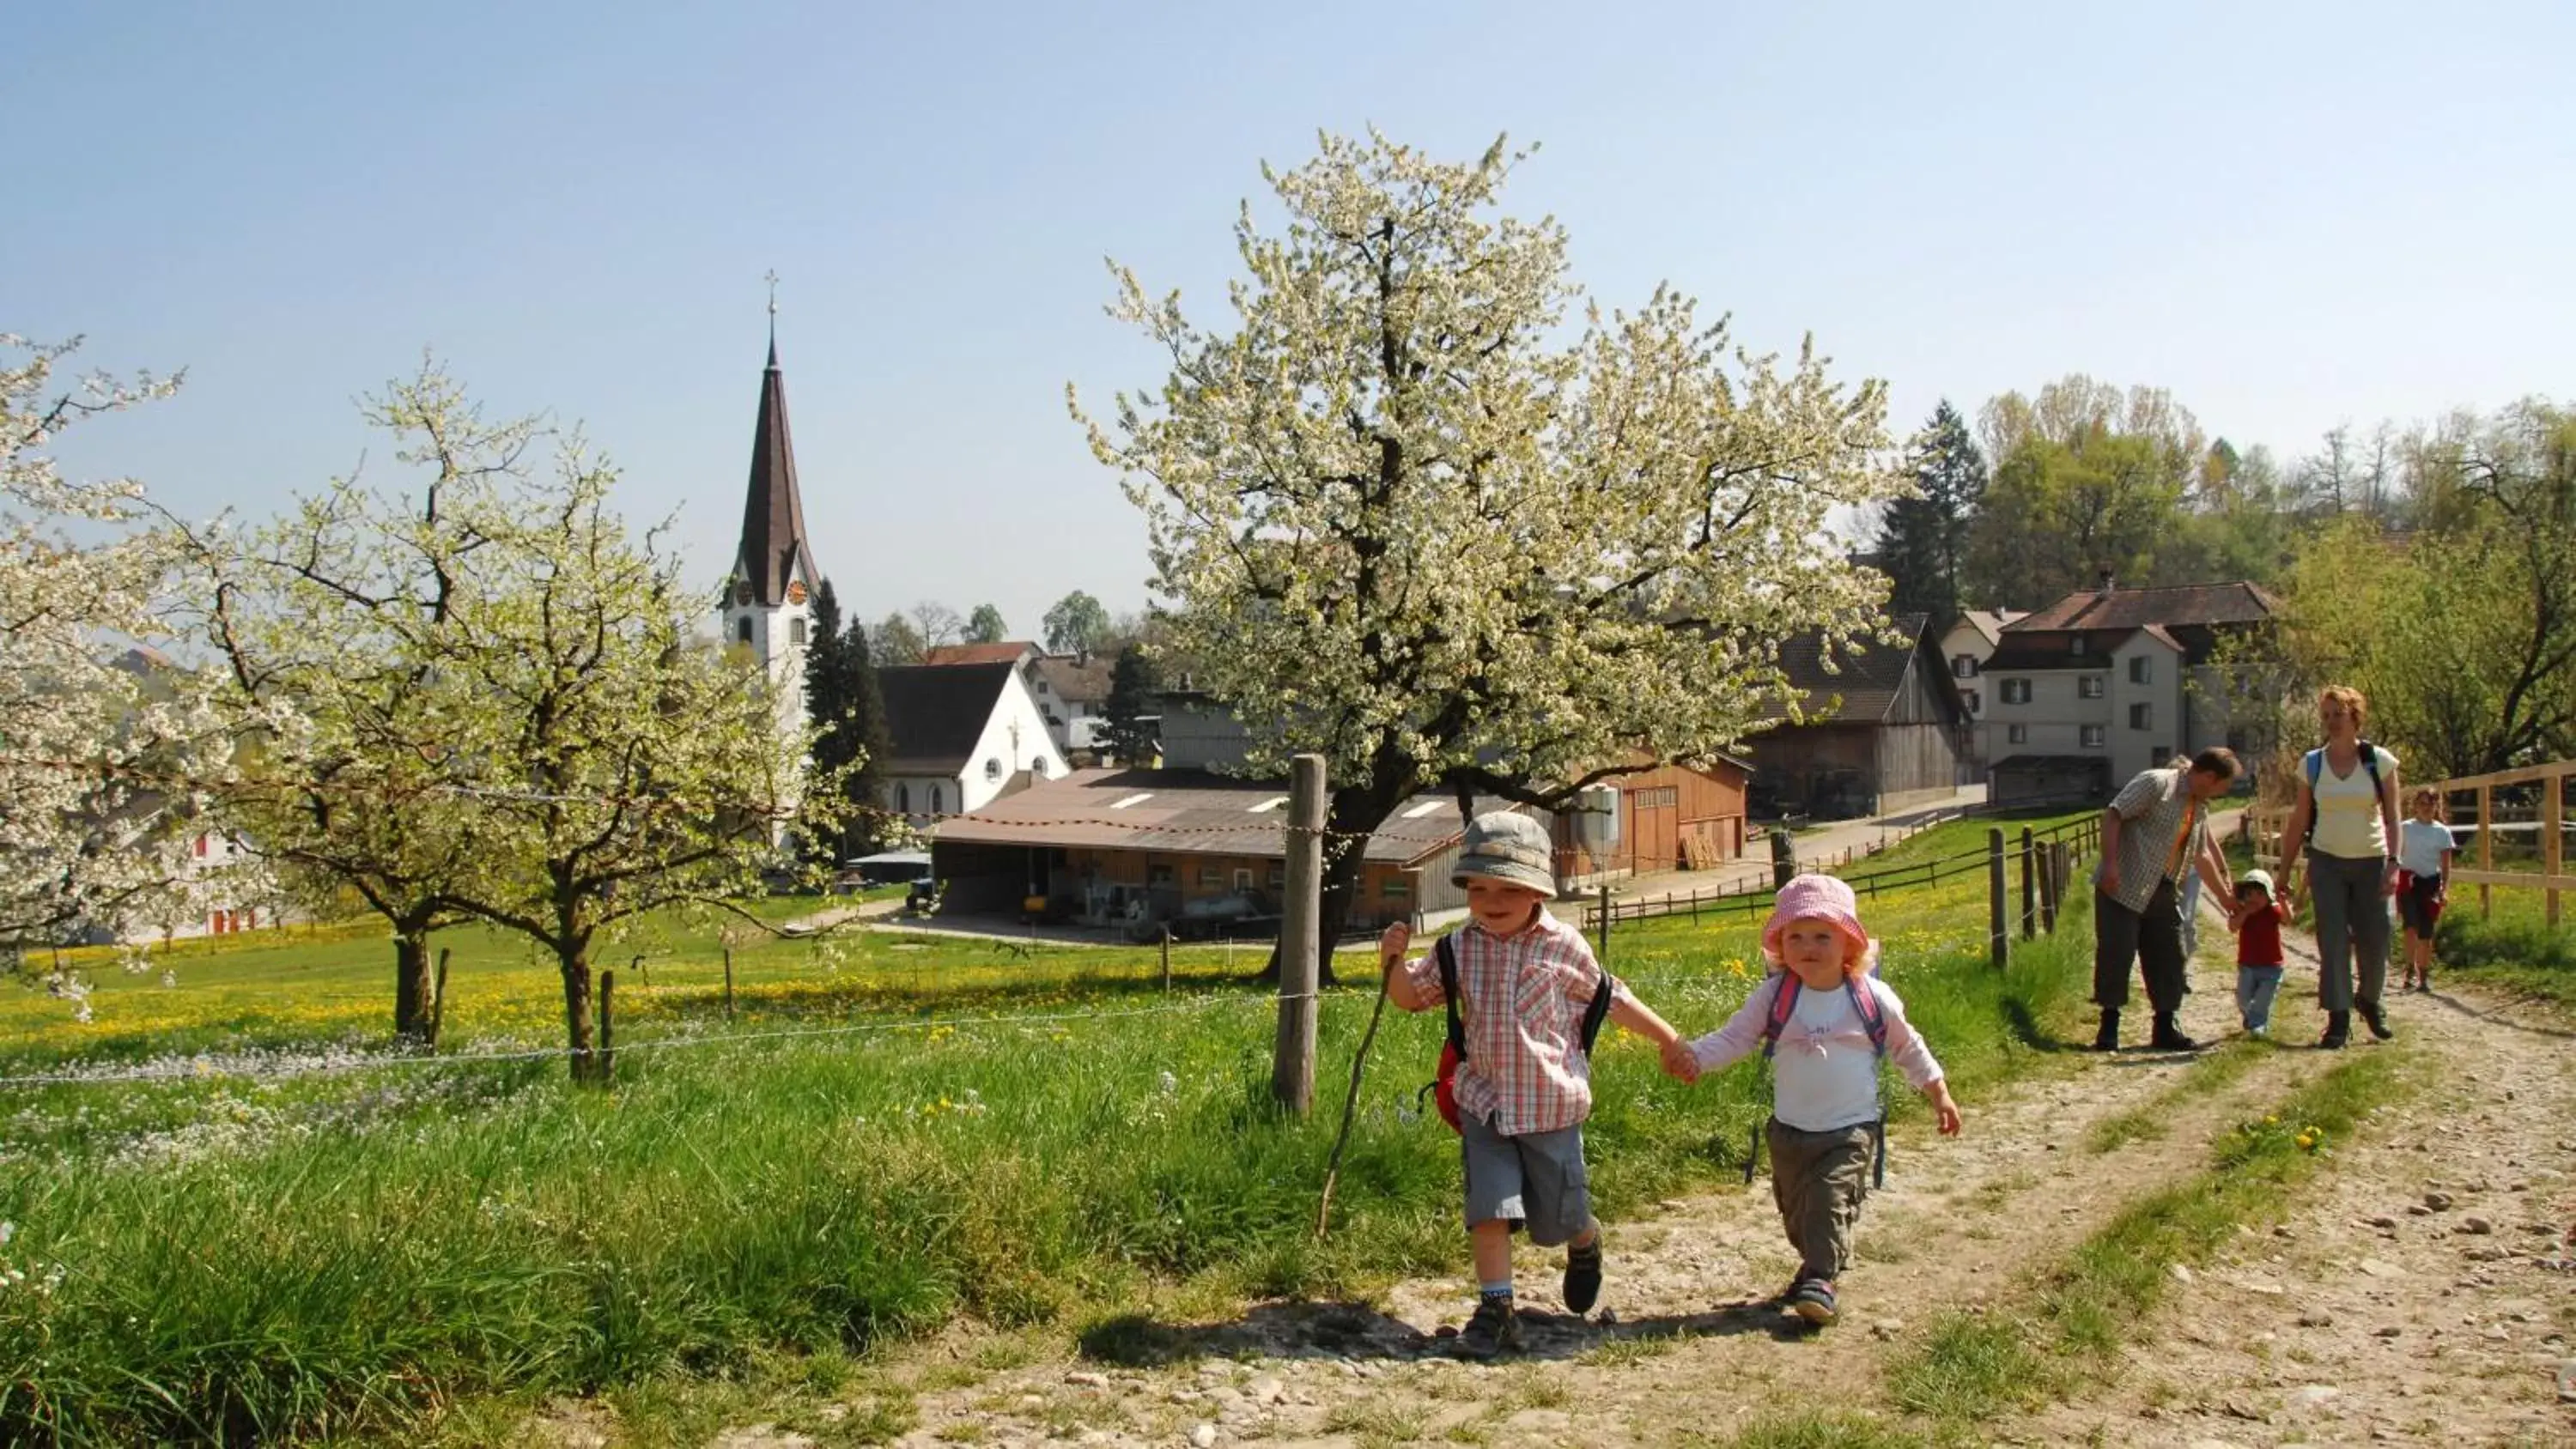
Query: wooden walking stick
{"type": "Point", "coordinates": [1333, 1170]}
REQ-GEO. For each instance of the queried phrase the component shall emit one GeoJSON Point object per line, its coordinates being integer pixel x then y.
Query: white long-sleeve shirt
{"type": "Point", "coordinates": [1824, 1073]}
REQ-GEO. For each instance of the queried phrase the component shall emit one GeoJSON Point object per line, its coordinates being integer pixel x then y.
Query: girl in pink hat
{"type": "Point", "coordinates": [1824, 1019]}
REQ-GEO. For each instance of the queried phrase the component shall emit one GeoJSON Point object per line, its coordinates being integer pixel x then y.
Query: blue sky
{"type": "Point", "coordinates": [2293, 216]}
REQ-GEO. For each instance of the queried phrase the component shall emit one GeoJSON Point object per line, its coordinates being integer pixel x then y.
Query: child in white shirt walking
{"type": "Point", "coordinates": [1825, 1019]}
{"type": "Point", "coordinates": [2424, 851]}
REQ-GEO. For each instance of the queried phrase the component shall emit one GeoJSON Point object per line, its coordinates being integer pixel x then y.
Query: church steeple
{"type": "Point", "coordinates": [774, 554]}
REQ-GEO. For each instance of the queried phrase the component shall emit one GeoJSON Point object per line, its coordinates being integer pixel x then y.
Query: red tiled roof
{"type": "Point", "coordinates": [2229, 603]}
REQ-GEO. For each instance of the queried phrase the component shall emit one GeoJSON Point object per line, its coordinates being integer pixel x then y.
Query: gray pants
{"type": "Point", "coordinates": [2352, 920]}
{"type": "Point", "coordinates": [1819, 1179]}
{"type": "Point", "coordinates": [1536, 1179]}
{"type": "Point", "coordinates": [2152, 937]}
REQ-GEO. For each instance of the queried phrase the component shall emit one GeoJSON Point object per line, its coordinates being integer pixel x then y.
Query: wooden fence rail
{"type": "Point", "coordinates": [2080, 835]}
{"type": "Point", "coordinates": [2263, 828]}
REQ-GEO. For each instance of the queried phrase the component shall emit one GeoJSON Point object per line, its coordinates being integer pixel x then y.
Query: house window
{"type": "Point", "coordinates": [903, 799]}
{"type": "Point", "coordinates": [1976, 702]}
{"type": "Point", "coordinates": [1278, 877]}
{"type": "Point", "coordinates": [2075, 645]}
{"type": "Point", "coordinates": [2092, 737]}
{"type": "Point", "coordinates": [1211, 875]}
{"type": "Point", "coordinates": [2142, 716]}
{"type": "Point", "coordinates": [1394, 888]}
{"type": "Point", "coordinates": [938, 800]}
{"type": "Point", "coordinates": [2016, 691]}
{"type": "Point", "coordinates": [1661, 798]}
{"type": "Point", "coordinates": [1242, 878]}
{"type": "Point", "coordinates": [1037, 769]}
{"type": "Point", "coordinates": [742, 630]}
{"type": "Point", "coordinates": [2142, 670]}
{"type": "Point", "coordinates": [795, 631]}
{"type": "Point", "coordinates": [992, 769]}
{"type": "Point", "coordinates": [2016, 734]}
{"type": "Point", "coordinates": [1963, 666]}
{"type": "Point", "coordinates": [2160, 756]}
{"type": "Point", "coordinates": [2089, 687]}
{"type": "Point", "coordinates": [1160, 875]}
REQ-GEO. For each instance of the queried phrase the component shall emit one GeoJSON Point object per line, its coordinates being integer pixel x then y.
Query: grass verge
{"type": "Point", "coordinates": [1972, 1368]}
{"type": "Point", "coordinates": [235, 1260]}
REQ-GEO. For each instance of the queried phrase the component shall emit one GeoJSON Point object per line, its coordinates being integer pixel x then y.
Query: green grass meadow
{"type": "Point", "coordinates": [1045, 1138]}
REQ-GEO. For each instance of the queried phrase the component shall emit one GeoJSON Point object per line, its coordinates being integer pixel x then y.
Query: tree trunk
{"type": "Point", "coordinates": [413, 988]}
{"type": "Point", "coordinates": [577, 1015]}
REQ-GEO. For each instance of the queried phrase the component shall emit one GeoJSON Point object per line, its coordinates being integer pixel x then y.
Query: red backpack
{"type": "Point", "coordinates": [1444, 1086]}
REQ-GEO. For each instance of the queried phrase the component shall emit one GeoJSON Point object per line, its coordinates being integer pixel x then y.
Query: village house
{"type": "Point", "coordinates": [1135, 847]}
{"type": "Point", "coordinates": [1967, 644]}
{"type": "Point", "coordinates": [1885, 728]}
{"type": "Point", "coordinates": [2106, 682]}
{"type": "Point", "coordinates": [1195, 840]}
{"type": "Point", "coordinates": [963, 734]}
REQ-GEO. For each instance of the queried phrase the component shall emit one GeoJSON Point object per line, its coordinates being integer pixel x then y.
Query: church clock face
{"type": "Point", "coordinates": [742, 595]}
{"type": "Point", "coordinates": [796, 591]}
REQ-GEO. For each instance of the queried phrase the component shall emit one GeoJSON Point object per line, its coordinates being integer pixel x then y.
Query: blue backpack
{"type": "Point", "coordinates": [2316, 763]}
{"type": "Point", "coordinates": [1784, 1005]}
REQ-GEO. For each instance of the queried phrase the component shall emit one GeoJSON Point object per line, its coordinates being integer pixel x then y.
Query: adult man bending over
{"type": "Point", "coordinates": [2155, 833]}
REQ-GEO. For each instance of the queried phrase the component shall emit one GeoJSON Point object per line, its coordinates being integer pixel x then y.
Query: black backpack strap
{"type": "Point", "coordinates": [1447, 955]}
{"type": "Point", "coordinates": [1597, 1010]}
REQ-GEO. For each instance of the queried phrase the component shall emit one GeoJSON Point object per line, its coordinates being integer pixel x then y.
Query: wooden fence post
{"type": "Point", "coordinates": [438, 1001]}
{"type": "Point", "coordinates": [2553, 853]}
{"type": "Point", "coordinates": [2048, 887]}
{"type": "Point", "coordinates": [605, 1062]}
{"type": "Point", "coordinates": [2486, 847]}
{"type": "Point", "coordinates": [1167, 955]}
{"type": "Point", "coordinates": [1292, 1064]}
{"type": "Point", "coordinates": [1605, 926]}
{"type": "Point", "coordinates": [2029, 888]}
{"type": "Point", "coordinates": [728, 983]}
{"type": "Point", "coordinates": [1999, 925]}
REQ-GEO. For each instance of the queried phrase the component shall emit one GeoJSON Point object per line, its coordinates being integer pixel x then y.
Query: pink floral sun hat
{"type": "Point", "coordinates": [1818, 898]}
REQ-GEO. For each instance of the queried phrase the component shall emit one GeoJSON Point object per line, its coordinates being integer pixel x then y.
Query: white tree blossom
{"type": "Point", "coordinates": [1401, 518]}
{"type": "Point", "coordinates": [108, 755]}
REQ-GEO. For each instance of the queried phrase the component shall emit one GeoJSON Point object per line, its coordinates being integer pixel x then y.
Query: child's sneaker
{"type": "Point", "coordinates": [1583, 1278]}
{"type": "Point", "coordinates": [1813, 1300]}
{"type": "Point", "coordinates": [1493, 1329]}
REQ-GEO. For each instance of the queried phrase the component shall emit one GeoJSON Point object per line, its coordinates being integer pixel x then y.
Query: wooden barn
{"type": "Point", "coordinates": [1885, 728]}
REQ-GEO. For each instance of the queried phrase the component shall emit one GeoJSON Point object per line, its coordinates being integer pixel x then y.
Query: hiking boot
{"type": "Point", "coordinates": [2108, 1038]}
{"type": "Point", "coordinates": [1583, 1278]}
{"type": "Point", "coordinates": [2338, 1031]}
{"type": "Point", "coordinates": [1493, 1329]}
{"type": "Point", "coordinates": [1813, 1300]}
{"type": "Point", "coordinates": [2376, 1019]}
{"type": "Point", "coordinates": [2168, 1037]}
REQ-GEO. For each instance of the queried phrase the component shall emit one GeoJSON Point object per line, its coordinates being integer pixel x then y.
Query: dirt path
{"type": "Point", "coordinates": [2419, 1295]}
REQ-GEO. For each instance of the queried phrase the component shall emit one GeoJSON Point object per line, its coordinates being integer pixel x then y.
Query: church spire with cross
{"type": "Point", "coordinates": [774, 558]}
{"type": "Point", "coordinates": [768, 605]}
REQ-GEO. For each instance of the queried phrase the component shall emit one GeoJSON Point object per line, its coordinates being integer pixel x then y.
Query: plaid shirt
{"type": "Point", "coordinates": [1520, 1004]}
{"type": "Point", "coordinates": [2162, 834]}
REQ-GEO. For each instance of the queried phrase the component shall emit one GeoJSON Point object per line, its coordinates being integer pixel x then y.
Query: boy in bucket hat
{"type": "Point", "coordinates": [1524, 1085]}
{"type": "Point", "coordinates": [1825, 1020]}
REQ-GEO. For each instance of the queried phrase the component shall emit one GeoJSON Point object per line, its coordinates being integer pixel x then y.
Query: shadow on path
{"type": "Point", "coordinates": [1356, 1331]}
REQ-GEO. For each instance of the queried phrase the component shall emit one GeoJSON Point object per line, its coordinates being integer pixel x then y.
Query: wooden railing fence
{"type": "Point", "coordinates": [2545, 786]}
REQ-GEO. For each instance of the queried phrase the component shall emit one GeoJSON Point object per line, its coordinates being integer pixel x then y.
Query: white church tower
{"type": "Point", "coordinates": [769, 602]}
